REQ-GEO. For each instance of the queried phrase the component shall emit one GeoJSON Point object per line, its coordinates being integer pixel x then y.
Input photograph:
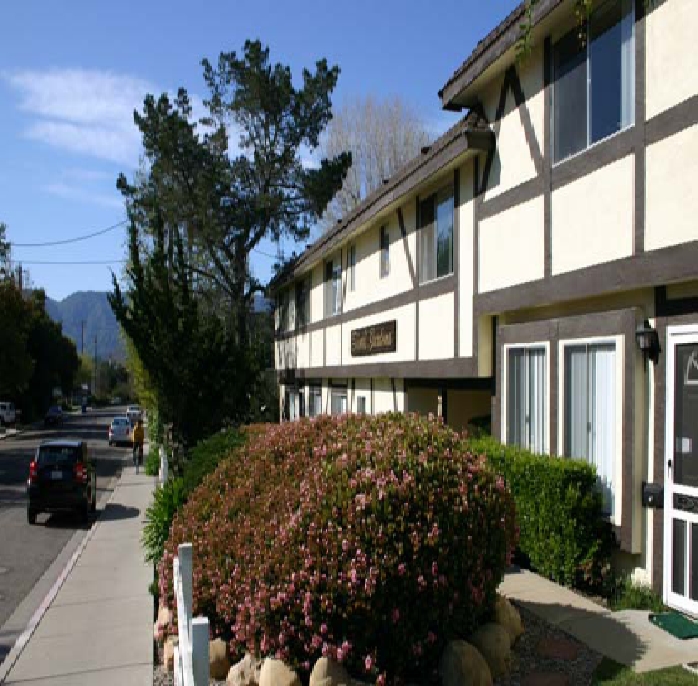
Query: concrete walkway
{"type": "Point", "coordinates": [627, 636]}
{"type": "Point", "coordinates": [98, 628]}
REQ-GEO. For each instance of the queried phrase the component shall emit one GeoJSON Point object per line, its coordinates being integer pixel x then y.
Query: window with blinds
{"type": "Point", "coordinates": [526, 398]}
{"type": "Point", "coordinates": [590, 411]}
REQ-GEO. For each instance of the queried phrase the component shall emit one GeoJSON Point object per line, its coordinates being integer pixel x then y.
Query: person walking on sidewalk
{"type": "Point", "coordinates": [138, 438]}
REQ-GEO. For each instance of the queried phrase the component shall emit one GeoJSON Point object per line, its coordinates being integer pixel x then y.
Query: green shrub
{"type": "Point", "coordinates": [152, 460]}
{"type": "Point", "coordinates": [559, 512]}
{"type": "Point", "coordinates": [630, 596]}
{"type": "Point", "coordinates": [372, 540]}
{"type": "Point", "coordinates": [204, 458]}
{"type": "Point", "coordinates": [158, 517]}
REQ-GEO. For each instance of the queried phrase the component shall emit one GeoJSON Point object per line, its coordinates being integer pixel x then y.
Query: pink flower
{"type": "Point", "coordinates": [368, 663]}
{"type": "Point", "coordinates": [323, 628]}
{"type": "Point", "coordinates": [401, 569]}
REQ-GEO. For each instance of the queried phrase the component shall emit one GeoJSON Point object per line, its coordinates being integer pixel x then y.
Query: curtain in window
{"type": "Point", "coordinates": [602, 410]}
{"type": "Point", "coordinates": [590, 411]}
{"type": "Point", "coordinates": [536, 400]}
{"type": "Point", "coordinates": [427, 268]}
{"type": "Point", "coordinates": [526, 402]}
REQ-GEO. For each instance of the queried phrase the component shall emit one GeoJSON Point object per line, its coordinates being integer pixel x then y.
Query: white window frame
{"type": "Point", "coordinates": [537, 345]}
{"type": "Point", "coordinates": [618, 341]}
{"type": "Point", "coordinates": [589, 145]}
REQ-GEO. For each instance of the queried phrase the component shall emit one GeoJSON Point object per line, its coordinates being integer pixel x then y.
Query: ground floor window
{"type": "Point", "coordinates": [338, 401]}
{"type": "Point", "coordinates": [361, 405]}
{"type": "Point", "coordinates": [314, 401]}
{"type": "Point", "coordinates": [590, 411]}
{"type": "Point", "coordinates": [526, 398]}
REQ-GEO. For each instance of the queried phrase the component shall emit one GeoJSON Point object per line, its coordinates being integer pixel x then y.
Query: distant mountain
{"type": "Point", "coordinates": [92, 308]}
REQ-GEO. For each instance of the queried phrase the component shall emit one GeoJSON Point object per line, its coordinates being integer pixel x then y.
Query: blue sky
{"type": "Point", "coordinates": [72, 72]}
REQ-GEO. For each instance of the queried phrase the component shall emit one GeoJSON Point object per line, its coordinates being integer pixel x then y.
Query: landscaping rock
{"type": "Point", "coordinates": [492, 640]}
{"type": "Point", "coordinates": [276, 673]}
{"type": "Point", "coordinates": [327, 672]}
{"type": "Point", "coordinates": [218, 661]}
{"type": "Point", "coordinates": [508, 616]}
{"type": "Point", "coordinates": [168, 654]}
{"type": "Point", "coordinates": [246, 672]}
{"type": "Point", "coordinates": [463, 665]}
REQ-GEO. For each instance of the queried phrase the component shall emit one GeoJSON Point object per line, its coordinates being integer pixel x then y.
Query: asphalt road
{"type": "Point", "coordinates": [31, 557]}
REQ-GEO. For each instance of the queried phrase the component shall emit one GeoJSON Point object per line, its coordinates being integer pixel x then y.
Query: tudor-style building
{"type": "Point", "coordinates": [539, 264]}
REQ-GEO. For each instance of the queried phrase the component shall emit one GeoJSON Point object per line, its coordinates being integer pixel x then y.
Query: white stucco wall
{"type": "Point", "coordinates": [316, 349]}
{"type": "Point", "coordinates": [513, 163]}
{"type": "Point", "coordinates": [671, 190]}
{"type": "Point", "coordinates": [333, 341]}
{"type": "Point", "coordinates": [316, 294]}
{"type": "Point", "coordinates": [671, 55]}
{"type": "Point", "coordinates": [465, 297]}
{"type": "Point", "coordinates": [385, 400]}
{"type": "Point", "coordinates": [511, 247]}
{"type": "Point", "coordinates": [436, 328]}
{"type": "Point", "coordinates": [603, 230]}
{"type": "Point", "coordinates": [404, 316]}
{"type": "Point", "coordinates": [303, 350]}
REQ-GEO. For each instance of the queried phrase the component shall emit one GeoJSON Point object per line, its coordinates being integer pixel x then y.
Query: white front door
{"type": "Point", "coordinates": [681, 470]}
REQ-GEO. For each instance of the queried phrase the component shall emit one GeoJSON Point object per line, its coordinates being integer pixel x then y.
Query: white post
{"type": "Point", "coordinates": [163, 466]}
{"type": "Point", "coordinates": [200, 654]}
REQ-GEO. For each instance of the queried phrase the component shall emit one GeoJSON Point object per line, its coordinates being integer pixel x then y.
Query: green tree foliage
{"type": "Point", "coordinates": [197, 212]}
{"type": "Point", "coordinates": [35, 357]}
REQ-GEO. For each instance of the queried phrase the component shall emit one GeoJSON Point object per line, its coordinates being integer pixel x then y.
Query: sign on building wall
{"type": "Point", "coordinates": [379, 338]}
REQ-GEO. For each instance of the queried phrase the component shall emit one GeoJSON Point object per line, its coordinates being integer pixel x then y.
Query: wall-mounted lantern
{"type": "Point", "coordinates": [648, 341]}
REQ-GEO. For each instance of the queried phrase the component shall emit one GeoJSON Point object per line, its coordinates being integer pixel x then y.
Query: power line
{"type": "Point", "coordinates": [75, 239]}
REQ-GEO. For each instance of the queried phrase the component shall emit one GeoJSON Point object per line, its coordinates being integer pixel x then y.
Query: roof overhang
{"type": "Point", "coordinates": [470, 135]}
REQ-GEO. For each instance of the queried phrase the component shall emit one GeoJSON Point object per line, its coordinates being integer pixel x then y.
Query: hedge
{"type": "Point", "coordinates": [563, 531]}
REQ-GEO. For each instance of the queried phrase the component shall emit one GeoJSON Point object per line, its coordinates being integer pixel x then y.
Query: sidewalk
{"type": "Point", "coordinates": [99, 626]}
{"type": "Point", "coordinates": [627, 636]}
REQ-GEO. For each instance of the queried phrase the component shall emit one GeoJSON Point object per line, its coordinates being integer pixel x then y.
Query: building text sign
{"type": "Point", "coordinates": [371, 340]}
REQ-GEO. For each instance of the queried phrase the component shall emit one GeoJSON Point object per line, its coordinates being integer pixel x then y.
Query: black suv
{"type": "Point", "coordinates": [61, 477]}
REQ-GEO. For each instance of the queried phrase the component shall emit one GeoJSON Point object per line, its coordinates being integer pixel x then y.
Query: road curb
{"type": "Point", "coordinates": [24, 638]}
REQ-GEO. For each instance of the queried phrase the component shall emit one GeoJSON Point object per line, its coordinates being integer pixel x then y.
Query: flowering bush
{"type": "Point", "coordinates": [372, 540]}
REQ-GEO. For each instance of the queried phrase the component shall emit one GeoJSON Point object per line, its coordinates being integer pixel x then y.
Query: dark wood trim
{"type": "Point", "coordinates": [373, 409]}
{"type": "Point", "coordinates": [547, 158]}
{"type": "Point", "coordinates": [392, 383]}
{"type": "Point", "coordinates": [324, 346]}
{"type": "Point", "coordinates": [673, 307]}
{"type": "Point", "coordinates": [426, 369]}
{"type": "Point", "coordinates": [639, 129]}
{"type": "Point", "coordinates": [679, 262]}
{"type": "Point", "coordinates": [672, 121]}
{"type": "Point", "coordinates": [428, 290]}
{"type": "Point", "coordinates": [479, 383]}
{"type": "Point", "coordinates": [456, 262]}
{"type": "Point", "coordinates": [599, 155]}
{"type": "Point", "coordinates": [523, 192]}
{"type": "Point", "coordinates": [406, 246]}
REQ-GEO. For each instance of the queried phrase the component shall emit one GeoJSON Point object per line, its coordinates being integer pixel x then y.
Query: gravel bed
{"type": "Point", "coordinates": [526, 660]}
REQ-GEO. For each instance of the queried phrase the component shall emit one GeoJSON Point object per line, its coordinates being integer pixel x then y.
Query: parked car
{"type": "Point", "coordinates": [8, 415]}
{"type": "Point", "coordinates": [120, 431]}
{"type": "Point", "coordinates": [54, 415]}
{"type": "Point", "coordinates": [62, 477]}
{"type": "Point", "coordinates": [134, 413]}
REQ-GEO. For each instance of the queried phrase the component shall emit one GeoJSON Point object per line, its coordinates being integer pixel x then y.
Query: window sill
{"type": "Point", "coordinates": [591, 147]}
{"type": "Point", "coordinates": [436, 280]}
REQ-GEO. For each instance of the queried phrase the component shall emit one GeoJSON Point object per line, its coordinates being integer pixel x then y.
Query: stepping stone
{"type": "Point", "coordinates": [545, 679]}
{"type": "Point", "coordinates": [558, 649]}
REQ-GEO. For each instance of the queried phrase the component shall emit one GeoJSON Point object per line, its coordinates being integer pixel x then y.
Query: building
{"type": "Point", "coordinates": [538, 264]}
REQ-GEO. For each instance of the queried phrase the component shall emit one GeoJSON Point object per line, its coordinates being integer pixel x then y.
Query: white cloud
{"type": "Point", "coordinates": [82, 195]}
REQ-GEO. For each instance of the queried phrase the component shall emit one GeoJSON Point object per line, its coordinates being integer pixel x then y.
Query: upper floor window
{"type": "Point", "coordinates": [385, 252]}
{"type": "Point", "coordinates": [594, 79]}
{"type": "Point", "coordinates": [333, 287]}
{"type": "Point", "coordinates": [436, 235]}
{"type": "Point", "coordinates": [284, 307]}
{"type": "Point", "coordinates": [302, 302]}
{"type": "Point", "coordinates": [352, 268]}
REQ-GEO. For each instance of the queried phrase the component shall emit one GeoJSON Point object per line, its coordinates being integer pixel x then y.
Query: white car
{"type": "Point", "coordinates": [133, 413]}
{"type": "Point", "coordinates": [120, 431]}
{"type": "Point", "coordinates": [7, 413]}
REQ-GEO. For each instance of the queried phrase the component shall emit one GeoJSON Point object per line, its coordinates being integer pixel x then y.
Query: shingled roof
{"type": "Point", "coordinates": [472, 132]}
{"type": "Point", "coordinates": [503, 37]}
